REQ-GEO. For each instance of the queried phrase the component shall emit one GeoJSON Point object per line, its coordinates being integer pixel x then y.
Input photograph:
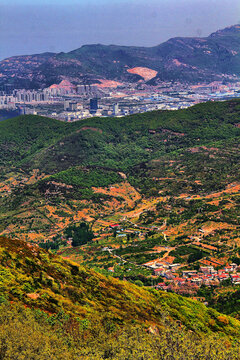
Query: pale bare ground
{"type": "Point", "coordinates": [145, 73]}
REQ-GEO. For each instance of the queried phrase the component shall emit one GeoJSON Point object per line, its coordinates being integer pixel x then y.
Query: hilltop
{"type": "Point", "coordinates": [50, 145]}
{"type": "Point", "coordinates": [191, 60]}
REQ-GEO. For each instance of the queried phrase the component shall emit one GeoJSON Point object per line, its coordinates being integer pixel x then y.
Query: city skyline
{"type": "Point", "coordinates": [55, 26]}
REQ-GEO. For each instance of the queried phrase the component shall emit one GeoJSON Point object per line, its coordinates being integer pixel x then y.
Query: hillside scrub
{"type": "Point", "coordinates": [31, 334]}
{"type": "Point", "coordinates": [39, 279]}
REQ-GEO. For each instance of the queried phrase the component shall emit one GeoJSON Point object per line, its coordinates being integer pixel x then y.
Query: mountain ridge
{"type": "Point", "coordinates": [184, 59]}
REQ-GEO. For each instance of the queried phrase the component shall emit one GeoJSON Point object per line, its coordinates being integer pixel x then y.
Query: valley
{"type": "Point", "coordinates": [115, 227]}
{"type": "Point", "coordinates": [161, 195]}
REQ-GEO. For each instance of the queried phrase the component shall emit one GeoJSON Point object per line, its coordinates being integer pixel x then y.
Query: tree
{"type": "Point", "coordinates": [80, 234]}
{"type": "Point", "coordinates": [139, 283]}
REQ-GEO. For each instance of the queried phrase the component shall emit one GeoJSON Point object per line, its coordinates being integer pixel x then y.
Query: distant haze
{"type": "Point", "coordinates": [28, 27]}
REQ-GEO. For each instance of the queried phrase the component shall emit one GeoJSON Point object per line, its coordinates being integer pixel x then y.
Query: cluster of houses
{"type": "Point", "coordinates": [212, 271]}
{"type": "Point", "coordinates": [191, 280]}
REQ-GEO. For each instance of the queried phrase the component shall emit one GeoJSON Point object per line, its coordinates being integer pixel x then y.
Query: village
{"type": "Point", "coordinates": [182, 278]}
{"type": "Point", "coordinates": [189, 281]}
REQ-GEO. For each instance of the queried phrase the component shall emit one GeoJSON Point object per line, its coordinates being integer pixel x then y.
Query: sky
{"type": "Point", "coordinates": [36, 26]}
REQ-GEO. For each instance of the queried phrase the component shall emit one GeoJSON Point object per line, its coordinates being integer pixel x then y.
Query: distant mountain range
{"type": "Point", "coordinates": [183, 59]}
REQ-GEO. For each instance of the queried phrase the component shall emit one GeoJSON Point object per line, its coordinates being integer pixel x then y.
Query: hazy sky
{"type": "Point", "coordinates": [35, 26]}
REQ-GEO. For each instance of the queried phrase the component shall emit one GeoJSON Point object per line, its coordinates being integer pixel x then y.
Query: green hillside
{"type": "Point", "coordinates": [71, 299]}
{"type": "Point", "coordinates": [24, 136]}
{"type": "Point", "coordinates": [193, 151]}
{"type": "Point", "coordinates": [48, 144]}
{"type": "Point", "coordinates": [39, 279]}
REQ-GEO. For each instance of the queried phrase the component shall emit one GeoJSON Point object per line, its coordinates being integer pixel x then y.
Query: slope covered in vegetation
{"type": "Point", "coordinates": [157, 186]}
{"type": "Point", "coordinates": [95, 315]}
{"type": "Point", "coordinates": [120, 143]}
{"type": "Point", "coordinates": [61, 338]}
{"type": "Point", "coordinates": [39, 279]}
{"type": "Point", "coordinates": [193, 151]}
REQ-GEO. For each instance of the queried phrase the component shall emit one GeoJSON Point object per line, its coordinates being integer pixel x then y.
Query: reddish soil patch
{"type": "Point", "coordinates": [33, 296]}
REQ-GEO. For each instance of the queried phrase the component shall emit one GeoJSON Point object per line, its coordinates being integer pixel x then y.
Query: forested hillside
{"type": "Point", "coordinates": [72, 311]}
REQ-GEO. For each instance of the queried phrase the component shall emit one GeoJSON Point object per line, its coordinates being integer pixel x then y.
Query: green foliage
{"type": "Point", "coordinates": [86, 178]}
{"type": "Point", "coordinates": [193, 151]}
{"type": "Point", "coordinates": [54, 244]}
{"type": "Point", "coordinates": [200, 143]}
{"type": "Point", "coordinates": [116, 143]}
{"type": "Point", "coordinates": [44, 281]}
{"type": "Point", "coordinates": [227, 301]}
{"type": "Point", "coordinates": [32, 334]}
{"type": "Point", "coordinates": [80, 234]}
{"type": "Point", "coordinates": [193, 253]}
